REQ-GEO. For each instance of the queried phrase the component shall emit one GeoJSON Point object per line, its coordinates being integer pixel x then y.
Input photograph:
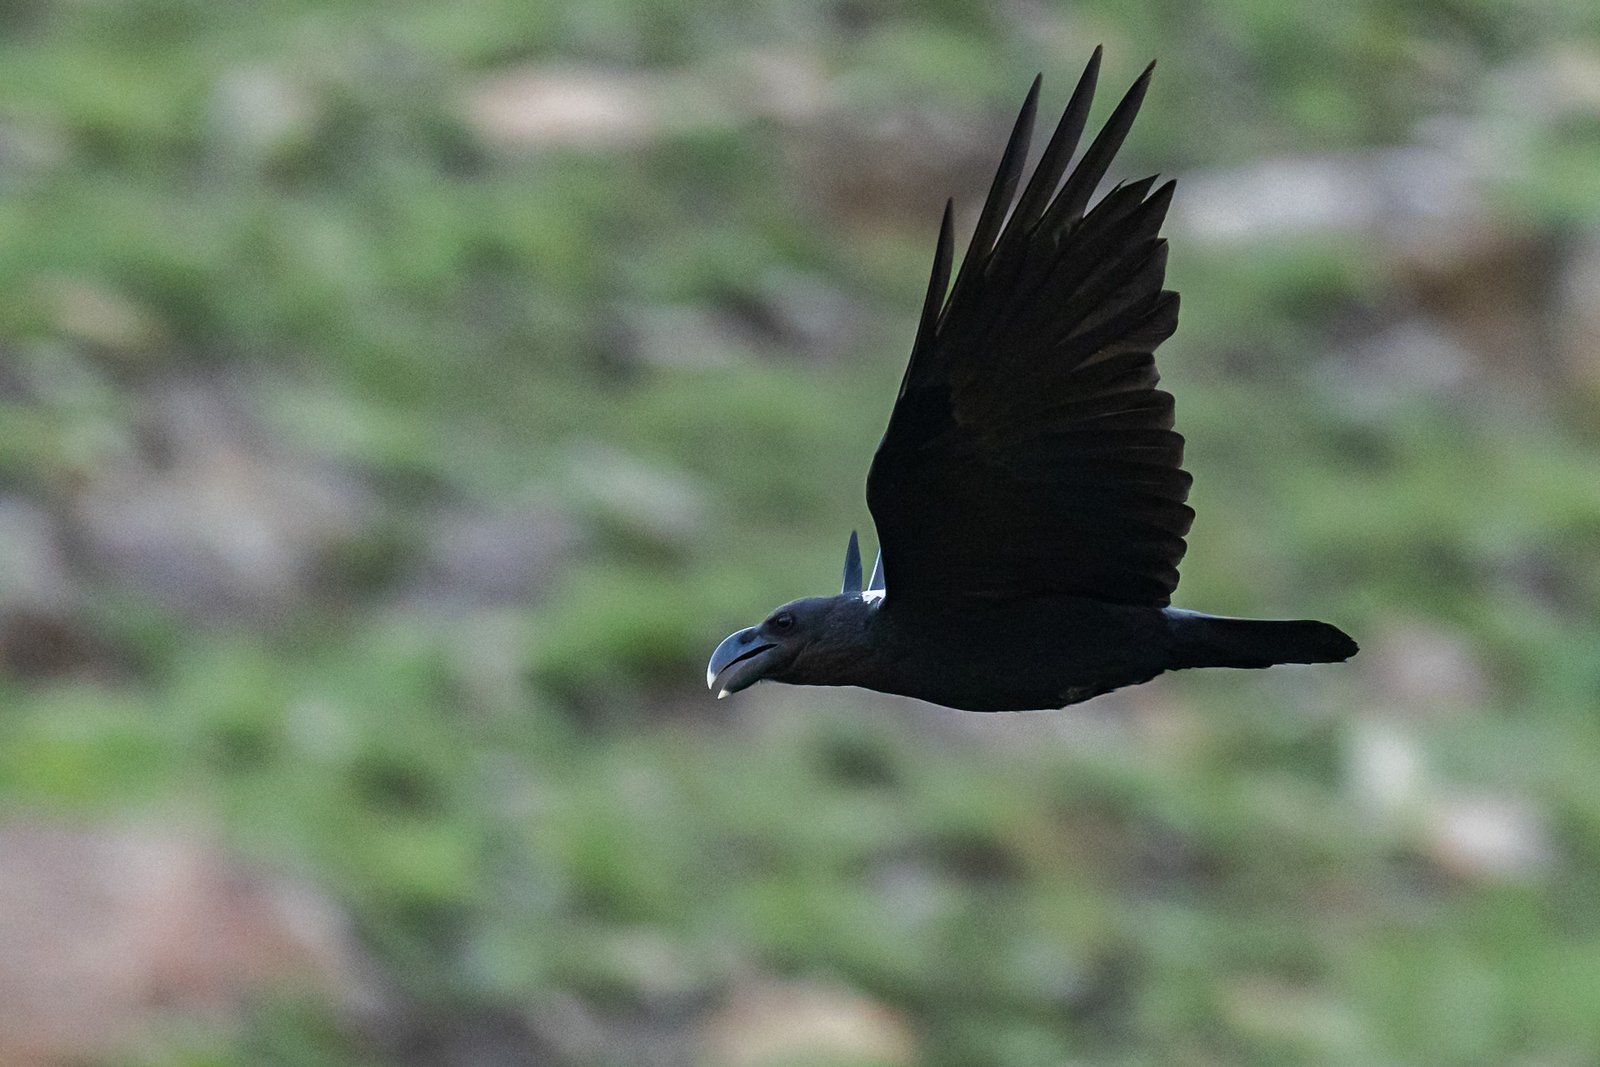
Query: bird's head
{"type": "Point", "coordinates": [803, 641]}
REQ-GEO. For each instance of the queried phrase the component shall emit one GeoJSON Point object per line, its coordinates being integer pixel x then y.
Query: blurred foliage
{"type": "Point", "coordinates": [287, 195]}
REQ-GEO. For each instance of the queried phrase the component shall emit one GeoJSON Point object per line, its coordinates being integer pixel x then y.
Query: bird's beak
{"type": "Point", "coordinates": [738, 663]}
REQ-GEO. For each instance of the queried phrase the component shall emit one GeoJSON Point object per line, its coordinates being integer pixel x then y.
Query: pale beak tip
{"type": "Point", "coordinates": [721, 693]}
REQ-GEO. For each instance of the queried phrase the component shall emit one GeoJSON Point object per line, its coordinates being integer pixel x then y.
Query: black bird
{"type": "Point", "coordinates": [1028, 492]}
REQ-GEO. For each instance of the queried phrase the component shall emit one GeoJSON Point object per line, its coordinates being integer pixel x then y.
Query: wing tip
{"type": "Point", "coordinates": [852, 566]}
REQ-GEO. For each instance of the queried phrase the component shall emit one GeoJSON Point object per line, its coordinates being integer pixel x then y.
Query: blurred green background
{"type": "Point", "coordinates": [398, 401]}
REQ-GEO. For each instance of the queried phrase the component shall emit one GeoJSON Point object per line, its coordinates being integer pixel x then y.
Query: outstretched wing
{"type": "Point", "coordinates": [1029, 451]}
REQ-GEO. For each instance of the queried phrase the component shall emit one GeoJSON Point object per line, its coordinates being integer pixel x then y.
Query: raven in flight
{"type": "Point", "coordinates": [1028, 492]}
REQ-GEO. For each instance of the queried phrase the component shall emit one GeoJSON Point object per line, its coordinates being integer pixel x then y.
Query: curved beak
{"type": "Point", "coordinates": [738, 663]}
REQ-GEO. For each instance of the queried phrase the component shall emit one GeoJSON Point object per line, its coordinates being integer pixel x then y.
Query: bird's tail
{"type": "Point", "coordinates": [1216, 641]}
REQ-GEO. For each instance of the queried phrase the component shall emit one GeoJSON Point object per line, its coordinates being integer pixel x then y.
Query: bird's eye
{"type": "Point", "coordinates": [783, 621]}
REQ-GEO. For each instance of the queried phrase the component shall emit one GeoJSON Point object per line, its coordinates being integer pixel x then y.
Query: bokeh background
{"type": "Point", "coordinates": [398, 401]}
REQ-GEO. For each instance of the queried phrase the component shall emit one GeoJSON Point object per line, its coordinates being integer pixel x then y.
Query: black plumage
{"type": "Point", "coordinates": [1028, 493]}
